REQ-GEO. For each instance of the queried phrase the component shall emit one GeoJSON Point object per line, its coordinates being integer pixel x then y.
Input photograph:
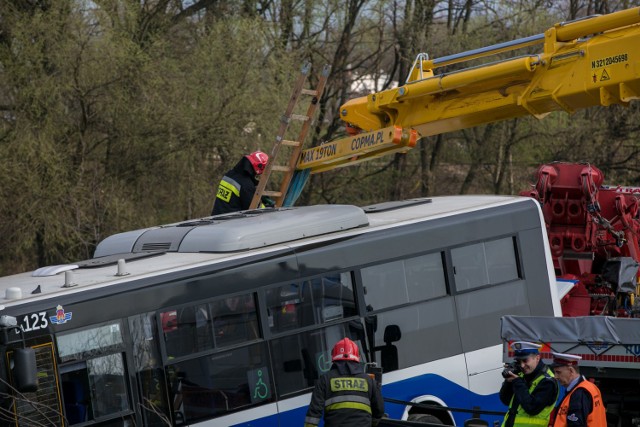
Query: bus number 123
{"type": "Point", "coordinates": [34, 321]}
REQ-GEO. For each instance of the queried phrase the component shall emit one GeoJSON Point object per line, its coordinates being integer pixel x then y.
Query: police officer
{"type": "Point", "coordinates": [582, 405]}
{"type": "Point", "coordinates": [238, 186]}
{"type": "Point", "coordinates": [530, 390]}
{"type": "Point", "coordinates": [346, 394]}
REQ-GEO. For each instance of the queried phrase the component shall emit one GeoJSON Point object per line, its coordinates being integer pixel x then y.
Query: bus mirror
{"type": "Point", "coordinates": [25, 370]}
{"type": "Point", "coordinates": [392, 334]}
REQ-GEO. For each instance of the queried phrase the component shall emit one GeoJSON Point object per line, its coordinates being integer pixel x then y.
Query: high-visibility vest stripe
{"type": "Point", "coordinates": [522, 419]}
{"type": "Point", "coordinates": [348, 398]}
{"type": "Point", "coordinates": [227, 187]}
{"type": "Point", "coordinates": [312, 421]}
{"type": "Point", "coordinates": [349, 405]}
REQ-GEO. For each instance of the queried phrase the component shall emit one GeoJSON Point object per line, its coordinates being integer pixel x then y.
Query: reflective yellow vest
{"type": "Point", "coordinates": [523, 419]}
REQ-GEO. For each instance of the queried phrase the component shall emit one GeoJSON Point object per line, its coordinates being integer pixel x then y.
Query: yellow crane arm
{"type": "Point", "coordinates": [584, 63]}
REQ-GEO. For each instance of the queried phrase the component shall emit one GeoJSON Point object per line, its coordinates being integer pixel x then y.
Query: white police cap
{"type": "Point", "coordinates": [524, 349]}
{"type": "Point", "coordinates": [563, 359]}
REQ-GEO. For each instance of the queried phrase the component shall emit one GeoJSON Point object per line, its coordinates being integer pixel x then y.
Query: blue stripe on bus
{"type": "Point", "coordinates": [271, 421]}
{"type": "Point", "coordinates": [452, 394]}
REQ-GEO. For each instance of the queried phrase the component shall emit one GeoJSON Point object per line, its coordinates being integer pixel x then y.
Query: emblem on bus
{"type": "Point", "coordinates": [60, 317]}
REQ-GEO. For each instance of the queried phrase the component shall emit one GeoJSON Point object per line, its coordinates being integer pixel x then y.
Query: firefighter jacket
{"type": "Point", "coordinates": [236, 189]}
{"type": "Point", "coordinates": [531, 398]}
{"type": "Point", "coordinates": [347, 396]}
{"type": "Point", "coordinates": [582, 407]}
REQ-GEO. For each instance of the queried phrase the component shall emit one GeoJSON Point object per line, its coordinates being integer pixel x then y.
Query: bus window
{"type": "Point", "coordinates": [213, 385]}
{"type": "Point", "coordinates": [187, 330]}
{"type": "Point", "coordinates": [235, 320]}
{"type": "Point", "coordinates": [300, 359]}
{"type": "Point", "coordinates": [312, 302]}
{"type": "Point", "coordinates": [289, 307]}
{"type": "Point", "coordinates": [497, 301]}
{"type": "Point", "coordinates": [93, 384]}
{"type": "Point", "coordinates": [95, 388]}
{"type": "Point", "coordinates": [333, 297]}
{"type": "Point", "coordinates": [400, 282]}
{"type": "Point", "coordinates": [411, 335]}
{"type": "Point", "coordinates": [85, 343]}
{"type": "Point", "coordinates": [149, 372]}
{"type": "Point", "coordinates": [485, 263]}
{"type": "Point", "coordinates": [487, 272]}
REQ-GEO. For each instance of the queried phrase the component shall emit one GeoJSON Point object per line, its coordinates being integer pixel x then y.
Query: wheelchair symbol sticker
{"type": "Point", "coordinates": [323, 361]}
{"type": "Point", "coordinates": [259, 384]}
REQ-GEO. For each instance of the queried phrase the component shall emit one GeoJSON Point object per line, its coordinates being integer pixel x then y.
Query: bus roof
{"type": "Point", "coordinates": [160, 250]}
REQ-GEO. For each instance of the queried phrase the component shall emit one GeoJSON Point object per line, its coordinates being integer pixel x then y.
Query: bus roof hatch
{"type": "Point", "coordinates": [237, 231]}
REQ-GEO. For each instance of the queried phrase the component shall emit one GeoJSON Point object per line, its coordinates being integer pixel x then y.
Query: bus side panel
{"type": "Point", "coordinates": [451, 394]}
{"type": "Point", "coordinates": [440, 381]}
{"type": "Point", "coordinates": [481, 380]}
{"type": "Point", "coordinates": [536, 273]}
{"type": "Point", "coordinates": [262, 416]}
{"type": "Point", "coordinates": [293, 411]}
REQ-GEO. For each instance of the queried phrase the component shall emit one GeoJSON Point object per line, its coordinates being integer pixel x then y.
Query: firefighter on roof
{"type": "Point", "coordinates": [346, 394]}
{"type": "Point", "coordinates": [237, 187]}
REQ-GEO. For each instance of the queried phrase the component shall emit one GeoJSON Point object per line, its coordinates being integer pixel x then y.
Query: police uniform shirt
{"type": "Point", "coordinates": [545, 393]}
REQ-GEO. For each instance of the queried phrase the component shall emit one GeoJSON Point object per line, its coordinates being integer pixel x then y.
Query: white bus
{"type": "Point", "coordinates": [229, 320]}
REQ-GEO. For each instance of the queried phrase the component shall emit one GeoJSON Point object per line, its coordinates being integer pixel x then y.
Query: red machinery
{"type": "Point", "coordinates": [593, 234]}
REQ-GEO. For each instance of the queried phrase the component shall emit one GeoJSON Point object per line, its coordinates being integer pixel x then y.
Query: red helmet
{"type": "Point", "coordinates": [258, 160]}
{"type": "Point", "coordinates": [345, 349]}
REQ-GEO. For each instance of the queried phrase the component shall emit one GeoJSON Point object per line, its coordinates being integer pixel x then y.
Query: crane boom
{"type": "Point", "coordinates": [584, 63]}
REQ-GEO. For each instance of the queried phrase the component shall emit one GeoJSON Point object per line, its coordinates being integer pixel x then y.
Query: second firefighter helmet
{"type": "Point", "coordinates": [258, 160]}
{"type": "Point", "coordinates": [345, 349]}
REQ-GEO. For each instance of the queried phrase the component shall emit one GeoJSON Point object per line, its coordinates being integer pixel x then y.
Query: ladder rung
{"type": "Point", "coordinates": [280, 168]}
{"type": "Point", "coordinates": [272, 193]}
{"type": "Point", "coordinates": [294, 151]}
{"type": "Point", "coordinates": [291, 143]}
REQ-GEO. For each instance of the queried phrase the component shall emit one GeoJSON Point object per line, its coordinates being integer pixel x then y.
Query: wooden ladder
{"type": "Point", "coordinates": [295, 146]}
